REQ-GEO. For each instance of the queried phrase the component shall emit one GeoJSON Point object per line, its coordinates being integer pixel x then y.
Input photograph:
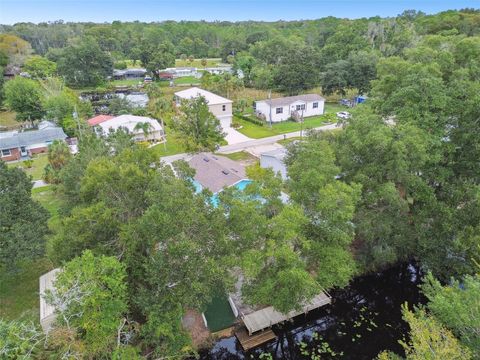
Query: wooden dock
{"type": "Point", "coordinates": [251, 341]}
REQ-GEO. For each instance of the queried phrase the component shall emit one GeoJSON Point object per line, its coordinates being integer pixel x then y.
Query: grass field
{"type": "Point", "coordinates": [190, 80]}
{"type": "Point", "coordinates": [173, 146]}
{"type": "Point", "coordinates": [197, 63]}
{"type": "Point", "coordinates": [36, 171]}
{"type": "Point", "coordinates": [7, 119]}
{"type": "Point", "coordinates": [256, 131]}
{"type": "Point", "coordinates": [240, 155]}
{"type": "Point", "coordinates": [19, 291]}
{"type": "Point", "coordinates": [126, 82]}
{"type": "Point", "coordinates": [47, 197]}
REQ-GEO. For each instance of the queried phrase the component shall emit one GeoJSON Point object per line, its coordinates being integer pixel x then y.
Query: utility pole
{"type": "Point", "coordinates": [270, 103]}
{"type": "Point", "coordinates": [301, 126]}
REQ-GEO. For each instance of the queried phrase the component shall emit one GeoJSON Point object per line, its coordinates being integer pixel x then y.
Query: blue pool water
{"type": "Point", "coordinates": [241, 185]}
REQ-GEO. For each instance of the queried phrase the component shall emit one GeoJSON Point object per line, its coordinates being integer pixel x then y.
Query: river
{"type": "Point", "coordinates": [364, 319]}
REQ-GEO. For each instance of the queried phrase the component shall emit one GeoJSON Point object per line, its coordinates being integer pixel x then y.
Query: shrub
{"type": "Point", "coordinates": [120, 65]}
{"type": "Point", "coordinates": [253, 119]}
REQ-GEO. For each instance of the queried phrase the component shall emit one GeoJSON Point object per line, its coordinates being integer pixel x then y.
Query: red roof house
{"type": "Point", "coordinates": [99, 119]}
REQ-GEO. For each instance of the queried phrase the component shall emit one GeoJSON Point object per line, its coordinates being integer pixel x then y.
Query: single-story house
{"type": "Point", "coordinates": [15, 145]}
{"type": "Point", "coordinates": [281, 109]}
{"type": "Point", "coordinates": [216, 172]}
{"type": "Point", "coordinates": [274, 159]}
{"type": "Point", "coordinates": [181, 71]}
{"type": "Point", "coordinates": [133, 124]}
{"type": "Point", "coordinates": [164, 75]}
{"type": "Point", "coordinates": [218, 105]}
{"type": "Point", "coordinates": [47, 311]}
{"type": "Point", "coordinates": [129, 74]}
{"type": "Point", "coordinates": [219, 70]}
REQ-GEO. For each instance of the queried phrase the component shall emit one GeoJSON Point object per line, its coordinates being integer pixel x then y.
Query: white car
{"type": "Point", "coordinates": [344, 115]}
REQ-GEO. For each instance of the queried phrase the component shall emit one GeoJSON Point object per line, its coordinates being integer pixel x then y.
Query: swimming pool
{"type": "Point", "coordinates": [241, 185]}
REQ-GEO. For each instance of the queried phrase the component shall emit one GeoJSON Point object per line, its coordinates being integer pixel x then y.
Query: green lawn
{"type": "Point", "coordinates": [36, 171]}
{"type": "Point", "coordinates": [285, 142]}
{"type": "Point", "coordinates": [126, 82]}
{"type": "Point", "coordinates": [197, 63]}
{"type": "Point", "coordinates": [173, 146]}
{"type": "Point", "coordinates": [256, 131]}
{"type": "Point", "coordinates": [19, 291]}
{"type": "Point", "coordinates": [240, 155]}
{"type": "Point", "coordinates": [49, 199]}
{"type": "Point", "coordinates": [186, 80]}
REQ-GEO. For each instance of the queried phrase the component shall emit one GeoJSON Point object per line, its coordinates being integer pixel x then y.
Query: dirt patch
{"type": "Point", "coordinates": [192, 321]}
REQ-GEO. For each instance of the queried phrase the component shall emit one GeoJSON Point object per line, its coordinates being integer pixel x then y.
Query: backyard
{"type": "Point", "coordinates": [19, 295]}
{"type": "Point", "coordinates": [7, 120]}
{"type": "Point", "coordinates": [36, 170]}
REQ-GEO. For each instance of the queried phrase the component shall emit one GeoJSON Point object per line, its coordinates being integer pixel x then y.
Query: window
{"type": "Point", "coordinates": [301, 107]}
{"type": "Point", "coordinates": [6, 152]}
{"type": "Point", "coordinates": [224, 107]}
{"type": "Point", "coordinates": [315, 105]}
{"type": "Point", "coordinates": [279, 110]}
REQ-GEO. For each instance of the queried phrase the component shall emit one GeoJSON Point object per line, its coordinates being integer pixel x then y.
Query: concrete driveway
{"type": "Point", "coordinates": [234, 137]}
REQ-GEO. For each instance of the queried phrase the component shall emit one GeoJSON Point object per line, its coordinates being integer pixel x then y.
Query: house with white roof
{"type": "Point", "coordinates": [281, 109]}
{"type": "Point", "coordinates": [181, 71]}
{"type": "Point", "coordinates": [141, 127]}
{"type": "Point", "coordinates": [218, 105]}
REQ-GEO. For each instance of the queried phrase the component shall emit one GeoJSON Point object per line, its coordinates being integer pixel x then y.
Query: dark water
{"type": "Point", "coordinates": [363, 320]}
{"type": "Point", "coordinates": [101, 100]}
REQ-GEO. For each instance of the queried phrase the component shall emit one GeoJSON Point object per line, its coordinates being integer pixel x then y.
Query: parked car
{"type": "Point", "coordinates": [343, 115]}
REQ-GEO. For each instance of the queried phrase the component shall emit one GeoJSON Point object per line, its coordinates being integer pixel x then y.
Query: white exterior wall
{"type": "Point", "coordinates": [263, 108]}
{"type": "Point", "coordinates": [225, 117]}
{"type": "Point", "coordinates": [277, 165]}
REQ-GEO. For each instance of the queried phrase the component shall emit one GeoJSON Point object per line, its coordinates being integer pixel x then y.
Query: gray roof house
{"type": "Point", "coordinates": [274, 159]}
{"type": "Point", "coordinates": [17, 144]}
{"type": "Point", "coordinates": [216, 172]}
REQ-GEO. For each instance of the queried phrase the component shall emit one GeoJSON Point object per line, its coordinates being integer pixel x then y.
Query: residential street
{"type": "Point", "coordinates": [228, 149]}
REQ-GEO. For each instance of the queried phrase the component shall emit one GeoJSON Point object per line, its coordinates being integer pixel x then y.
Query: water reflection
{"type": "Point", "coordinates": [363, 320]}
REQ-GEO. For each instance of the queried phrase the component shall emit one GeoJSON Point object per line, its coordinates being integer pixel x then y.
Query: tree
{"type": "Point", "coordinates": [429, 340]}
{"type": "Point", "coordinates": [204, 62]}
{"type": "Point", "coordinates": [19, 340]}
{"type": "Point", "coordinates": [23, 221]}
{"type": "Point", "coordinates": [58, 156]}
{"type": "Point", "coordinates": [200, 129]}
{"type": "Point", "coordinates": [89, 296]}
{"type": "Point", "coordinates": [145, 127]}
{"type": "Point", "coordinates": [24, 96]}
{"type": "Point", "coordinates": [39, 68]}
{"type": "Point", "coordinates": [296, 72]}
{"type": "Point", "coordinates": [85, 63]}
{"type": "Point", "coordinates": [330, 207]}
{"type": "Point", "coordinates": [457, 307]}
{"type": "Point", "coordinates": [16, 48]}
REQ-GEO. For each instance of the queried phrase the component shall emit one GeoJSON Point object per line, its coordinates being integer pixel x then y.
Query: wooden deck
{"type": "Point", "coordinates": [251, 341]}
{"type": "Point", "coordinates": [267, 317]}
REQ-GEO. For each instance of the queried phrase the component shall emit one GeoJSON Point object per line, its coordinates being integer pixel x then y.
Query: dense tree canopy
{"type": "Point", "coordinates": [23, 221]}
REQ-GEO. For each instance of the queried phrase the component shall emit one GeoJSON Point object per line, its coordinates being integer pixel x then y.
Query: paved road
{"type": "Point", "coordinates": [228, 149]}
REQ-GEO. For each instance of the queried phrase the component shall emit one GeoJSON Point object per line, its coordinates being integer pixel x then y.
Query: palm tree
{"type": "Point", "coordinates": [145, 127]}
